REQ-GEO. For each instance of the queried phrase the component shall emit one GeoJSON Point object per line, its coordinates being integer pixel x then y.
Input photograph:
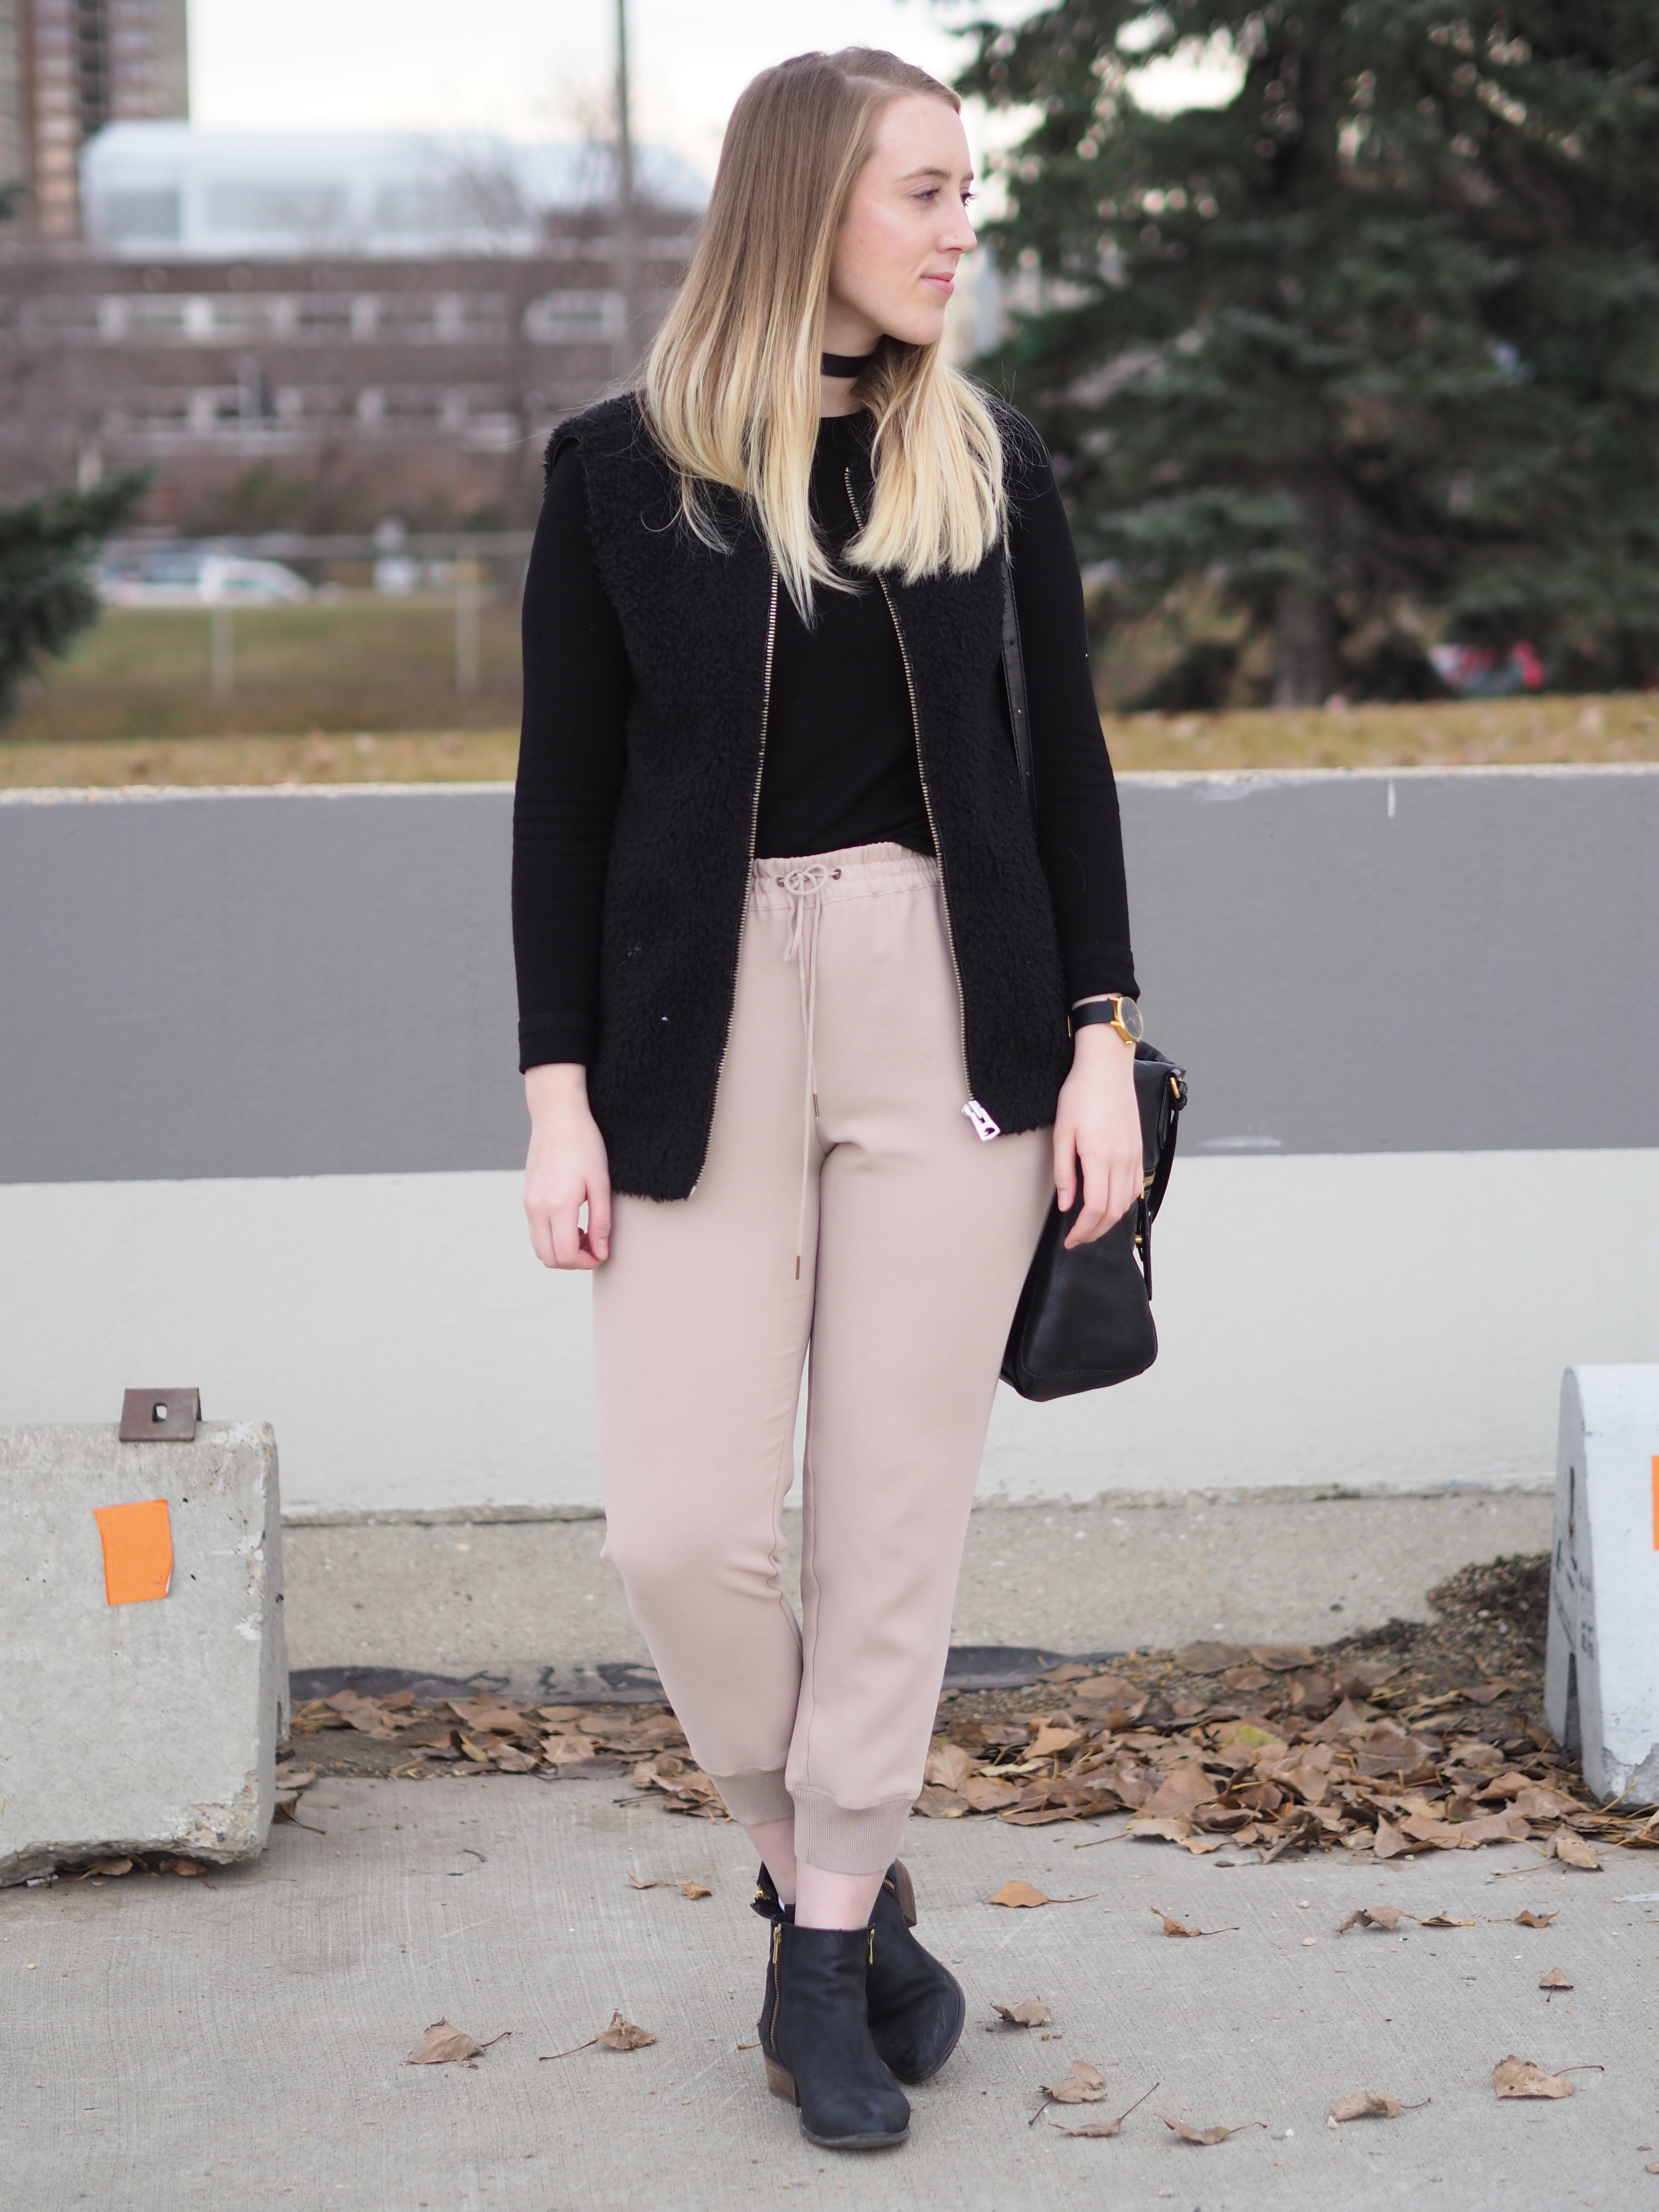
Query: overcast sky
{"type": "Point", "coordinates": [536, 69]}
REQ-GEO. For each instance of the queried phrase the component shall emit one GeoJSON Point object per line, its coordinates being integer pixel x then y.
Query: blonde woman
{"type": "Point", "coordinates": [794, 974]}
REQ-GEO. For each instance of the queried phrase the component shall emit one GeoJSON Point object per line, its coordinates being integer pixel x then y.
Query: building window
{"type": "Point", "coordinates": [311, 210]}
{"type": "Point", "coordinates": [139, 218]}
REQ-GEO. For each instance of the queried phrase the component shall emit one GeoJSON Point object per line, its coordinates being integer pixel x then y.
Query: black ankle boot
{"type": "Point", "coordinates": [814, 2039]}
{"type": "Point", "coordinates": [916, 2009]}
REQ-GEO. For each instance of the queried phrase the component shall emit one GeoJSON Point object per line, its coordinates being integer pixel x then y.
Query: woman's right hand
{"type": "Point", "coordinates": [567, 1169]}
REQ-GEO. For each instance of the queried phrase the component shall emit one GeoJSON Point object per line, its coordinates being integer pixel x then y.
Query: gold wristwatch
{"type": "Point", "coordinates": [1123, 1014]}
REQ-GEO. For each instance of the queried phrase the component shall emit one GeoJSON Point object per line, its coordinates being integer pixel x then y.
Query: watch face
{"type": "Point", "coordinates": [1129, 1015]}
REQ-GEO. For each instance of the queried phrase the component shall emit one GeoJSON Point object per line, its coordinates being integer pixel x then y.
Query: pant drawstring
{"type": "Point", "coordinates": [804, 886]}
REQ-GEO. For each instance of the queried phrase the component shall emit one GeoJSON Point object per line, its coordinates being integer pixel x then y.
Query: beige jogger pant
{"type": "Point", "coordinates": [847, 1204]}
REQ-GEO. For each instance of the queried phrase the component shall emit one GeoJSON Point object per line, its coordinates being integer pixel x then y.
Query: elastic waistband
{"type": "Point", "coordinates": [856, 872]}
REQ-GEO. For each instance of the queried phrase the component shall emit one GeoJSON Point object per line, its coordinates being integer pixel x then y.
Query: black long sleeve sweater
{"type": "Point", "coordinates": [840, 764]}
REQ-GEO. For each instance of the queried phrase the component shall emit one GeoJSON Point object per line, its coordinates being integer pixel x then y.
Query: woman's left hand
{"type": "Point", "coordinates": [1098, 1122]}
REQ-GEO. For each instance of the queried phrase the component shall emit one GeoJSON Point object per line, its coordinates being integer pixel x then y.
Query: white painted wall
{"type": "Point", "coordinates": [1378, 1319]}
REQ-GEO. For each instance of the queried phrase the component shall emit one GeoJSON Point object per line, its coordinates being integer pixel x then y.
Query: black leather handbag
{"type": "Point", "coordinates": [1085, 1317]}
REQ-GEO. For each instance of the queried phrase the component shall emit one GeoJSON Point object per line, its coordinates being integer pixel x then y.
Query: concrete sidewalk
{"type": "Point", "coordinates": [241, 2038]}
{"type": "Point", "coordinates": [1118, 1574]}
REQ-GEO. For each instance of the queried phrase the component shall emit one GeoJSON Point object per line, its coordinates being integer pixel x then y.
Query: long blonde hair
{"type": "Point", "coordinates": [730, 387]}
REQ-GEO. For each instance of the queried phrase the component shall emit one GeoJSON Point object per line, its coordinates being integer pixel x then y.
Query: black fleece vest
{"type": "Point", "coordinates": [696, 623]}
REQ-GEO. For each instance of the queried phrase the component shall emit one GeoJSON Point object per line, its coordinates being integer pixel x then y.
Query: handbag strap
{"type": "Point", "coordinates": [1177, 1080]}
{"type": "Point", "coordinates": [1019, 722]}
{"type": "Point", "coordinates": [1013, 678]}
{"type": "Point", "coordinates": [1151, 1199]}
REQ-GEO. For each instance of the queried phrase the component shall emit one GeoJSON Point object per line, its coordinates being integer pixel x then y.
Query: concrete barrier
{"type": "Point", "coordinates": [282, 1024]}
{"type": "Point", "coordinates": [1601, 1668]}
{"type": "Point", "coordinates": [142, 1674]}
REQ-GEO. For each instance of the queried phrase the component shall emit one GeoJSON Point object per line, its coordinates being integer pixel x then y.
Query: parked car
{"type": "Point", "coordinates": [1486, 671]}
{"type": "Point", "coordinates": [195, 576]}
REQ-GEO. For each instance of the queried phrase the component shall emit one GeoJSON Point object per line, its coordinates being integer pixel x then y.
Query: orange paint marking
{"type": "Point", "coordinates": [137, 1550]}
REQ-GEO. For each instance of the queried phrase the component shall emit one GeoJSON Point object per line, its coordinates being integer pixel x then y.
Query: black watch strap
{"type": "Point", "coordinates": [1095, 1010]}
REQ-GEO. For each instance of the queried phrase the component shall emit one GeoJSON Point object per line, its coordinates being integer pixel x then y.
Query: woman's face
{"type": "Point", "coordinates": [905, 230]}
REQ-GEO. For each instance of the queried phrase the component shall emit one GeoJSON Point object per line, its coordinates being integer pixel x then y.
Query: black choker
{"type": "Point", "coordinates": [845, 364]}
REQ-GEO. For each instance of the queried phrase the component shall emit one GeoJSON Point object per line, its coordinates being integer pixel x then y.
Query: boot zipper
{"type": "Point", "coordinates": [754, 830]}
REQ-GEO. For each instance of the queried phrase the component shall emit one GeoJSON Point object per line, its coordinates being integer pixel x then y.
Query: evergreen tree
{"type": "Point", "coordinates": [1372, 350]}
{"type": "Point", "coordinates": [47, 546]}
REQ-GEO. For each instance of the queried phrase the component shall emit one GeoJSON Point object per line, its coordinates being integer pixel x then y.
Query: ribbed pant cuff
{"type": "Point", "coordinates": [754, 1796]}
{"type": "Point", "coordinates": [848, 1839]}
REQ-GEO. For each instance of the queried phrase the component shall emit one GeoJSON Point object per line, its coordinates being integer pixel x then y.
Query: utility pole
{"type": "Point", "coordinates": [625, 246]}
{"type": "Point", "coordinates": [624, 128]}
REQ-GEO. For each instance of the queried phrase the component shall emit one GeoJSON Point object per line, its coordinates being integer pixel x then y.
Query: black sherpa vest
{"type": "Point", "coordinates": [697, 624]}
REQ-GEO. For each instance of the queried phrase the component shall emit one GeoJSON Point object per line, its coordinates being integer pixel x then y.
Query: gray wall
{"type": "Point", "coordinates": [320, 981]}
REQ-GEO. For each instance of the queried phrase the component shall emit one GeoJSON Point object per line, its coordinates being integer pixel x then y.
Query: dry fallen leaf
{"type": "Point", "coordinates": [1207, 2136]}
{"type": "Point", "coordinates": [1281, 1657]}
{"type": "Point", "coordinates": [621, 2035]}
{"type": "Point", "coordinates": [1573, 1851]}
{"type": "Point", "coordinates": [1536, 1802]}
{"type": "Point", "coordinates": [1555, 1979]}
{"type": "Point", "coordinates": [1387, 1916]}
{"type": "Point", "coordinates": [1174, 1927]}
{"type": "Point", "coordinates": [488, 1713]}
{"type": "Point", "coordinates": [936, 1804]}
{"type": "Point", "coordinates": [106, 1870]}
{"type": "Point", "coordinates": [985, 1794]}
{"type": "Point", "coordinates": [1083, 2084]}
{"type": "Point", "coordinates": [1182, 1788]}
{"type": "Point", "coordinates": [1359, 1680]}
{"type": "Point", "coordinates": [695, 1889]}
{"type": "Point", "coordinates": [1519, 2077]}
{"type": "Point", "coordinates": [1026, 2012]}
{"type": "Point", "coordinates": [1491, 1828]}
{"type": "Point", "coordinates": [444, 2046]}
{"type": "Point", "coordinates": [283, 1810]}
{"type": "Point", "coordinates": [1106, 2129]}
{"type": "Point", "coordinates": [1535, 1919]}
{"type": "Point", "coordinates": [949, 1766]}
{"type": "Point", "coordinates": [635, 1884]}
{"type": "Point", "coordinates": [1015, 1894]}
{"type": "Point", "coordinates": [182, 1866]}
{"type": "Point", "coordinates": [1439, 1920]}
{"type": "Point", "coordinates": [1366, 2105]}
{"type": "Point", "coordinates": [1107, 1689]}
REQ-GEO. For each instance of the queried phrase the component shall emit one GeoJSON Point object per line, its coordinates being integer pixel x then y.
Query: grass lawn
{"type": "Point", "coordinates": [412, 757]}
{"type": "Point", "coordinates": [363, 691]}
{"type": "Point", "coordinates": [359, 663]}
{"type": "Point", "coordinates": [1437, 733]}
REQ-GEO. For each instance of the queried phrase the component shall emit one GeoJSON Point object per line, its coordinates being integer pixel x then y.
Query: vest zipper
{"type": "Point", "coordinates": [754, 828]}
{"type": "Point", "coordinates": [985, 1127]}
